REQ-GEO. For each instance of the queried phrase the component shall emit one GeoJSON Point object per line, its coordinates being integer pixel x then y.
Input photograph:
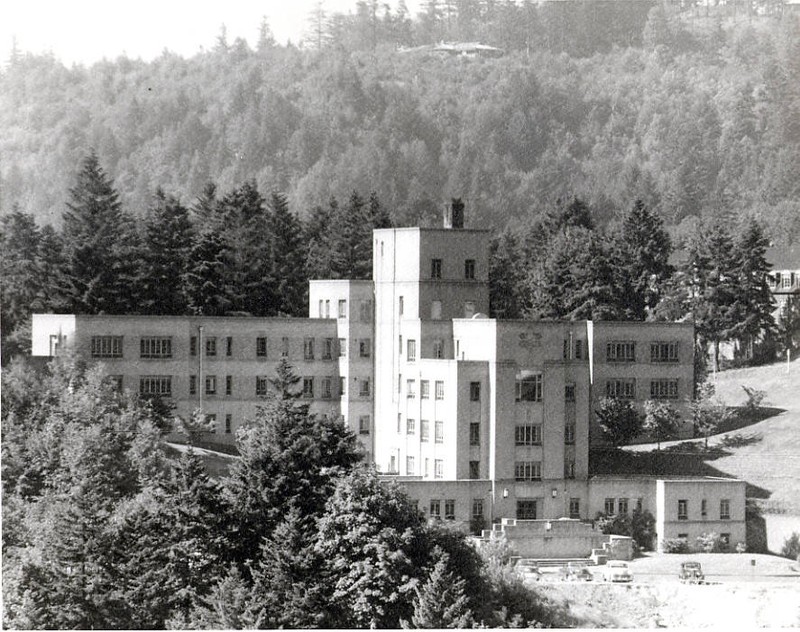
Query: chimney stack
{"type": "Point", "coordinates": [454, 214]}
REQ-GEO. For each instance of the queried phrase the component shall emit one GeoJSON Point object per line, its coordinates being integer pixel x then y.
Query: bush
{"type": "Point", "coordinates": [791, 547]}
{"type": "Point", "coordinates": [709, 542]}
{"type": "Point", "coordinates": [676, 545]}
{"type": "Point", "coordinates": [754, 399]}
{"type": "Point", "coordinates": [639, 525]}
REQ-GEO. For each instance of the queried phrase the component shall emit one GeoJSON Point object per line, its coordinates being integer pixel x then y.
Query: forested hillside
{"type": "Point", "coordinates": [696, 113]}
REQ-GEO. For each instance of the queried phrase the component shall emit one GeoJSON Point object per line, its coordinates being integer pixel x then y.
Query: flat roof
{"type": "Point", "coordinates": [432, 230]}
{"type": "Point", "coordinates": [193, 317]}
{"type": "Point", "coordinates": [665, 477]}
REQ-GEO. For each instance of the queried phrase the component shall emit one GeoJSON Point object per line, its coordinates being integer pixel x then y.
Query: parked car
{"type": "Point", "coordinates": [691, 573]}
{"type": "Point", "coordinates": [578, 572]}
{"type": "Point", "coordinates": [617, 571]}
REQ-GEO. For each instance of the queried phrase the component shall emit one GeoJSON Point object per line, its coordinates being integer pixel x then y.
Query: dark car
{"type": "Point", "coordinates": [576, 572]}
{"type": "Point", "coordinates": [691, 573]}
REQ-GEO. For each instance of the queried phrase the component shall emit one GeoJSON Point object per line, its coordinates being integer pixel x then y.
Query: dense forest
{"type": "Point", "coordinates": [694, 111]}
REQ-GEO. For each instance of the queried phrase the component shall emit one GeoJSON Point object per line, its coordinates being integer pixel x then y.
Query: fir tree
{"type": "Point", "coordinates": [319, 251]}
{"type": "Point", "coordinates": [287, 265]}
{"type": "Point", "coordinates": [506, 277]}
{"type": "Point", "coordinates": [440, 602]}
{"type": "Point", "coordinates": [99, 241]}
{"type": "Point", "coordinates": [351, 241]}
{"type": "Point", "coordinates": [165, 253]}
{"type": "Point", "coordinates": [285, 381]}
{"type": "Point", "coordinates": [205, 283]}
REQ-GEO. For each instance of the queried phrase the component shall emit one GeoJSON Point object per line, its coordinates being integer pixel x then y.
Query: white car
{"type": "Point", "coordinates": [617, 571]}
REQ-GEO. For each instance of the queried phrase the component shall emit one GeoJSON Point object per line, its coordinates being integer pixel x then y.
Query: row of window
{"type": "Point", "coordinates": [364, 309]}
{"type": "Point", "coordinates": [320, 387]}
{"type": "Point", "coordinates": [424, 428]}
{"type": "Point", "coordinates": [435, 509]}
{"type": "Point", "coordinates": [724, 509]}
{"type": "Point", "coordinates": [364, 425]}
{"type": "Point", "coordinates": [618, 506]}
{"type": "Point", "coordinates": [469, 269]}
{"type": "Point", "coordinates": [526, 471]}
{"type": "Point", "coordinates": [436, 309]}
{"type": "Point", "coordinates": [626, 388]}
{"type": "Point", "coordinates": [437, 351]}
{"type": "Point", "coordinates": [160, 347]}
{"type": "Point", "coordinates": [424, 388]}
{"type": "Point", "coordinates": [528, 388]}
{"type": "Point", "coordinates": [625, 351]}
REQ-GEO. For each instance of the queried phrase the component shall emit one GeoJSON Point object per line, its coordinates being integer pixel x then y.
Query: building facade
{"type": "Point", "coordinates": [480, 419]}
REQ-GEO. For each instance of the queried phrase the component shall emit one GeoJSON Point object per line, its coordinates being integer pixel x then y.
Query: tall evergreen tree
{"type": "Point", "coordinates": [287, 264]}
{"type": "Point", "coordinates": [754, 302]}
{"type": "Point", "coordinates": [351, 241]}
{"type": "Point", "coordinates": [640, 252]}
{"type": "Point", "coordinates": [507, 297]}
{"type": "Point", "coordinates": [205, 281]}
{"type": "Point", "coordinates": [319, 250]}
{"type": "Point", "coordinates": [165, 252]}
{"type": "Point", "coordinates": [441, 602]}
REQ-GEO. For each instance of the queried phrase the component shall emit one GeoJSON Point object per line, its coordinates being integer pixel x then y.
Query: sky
{"type": "Point", "coordinates": [85, 31]}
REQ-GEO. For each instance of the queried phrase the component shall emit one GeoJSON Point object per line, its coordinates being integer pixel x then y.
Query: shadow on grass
{"type": "Point", "coordinates": [744, 417]}
{"type": "Point", "coordinates": [683, 459]}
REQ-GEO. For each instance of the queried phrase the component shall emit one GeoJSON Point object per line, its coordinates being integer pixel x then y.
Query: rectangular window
{"type": "Point", "coordinates": [569, 392]}
{"type": "Point", "coordinates": [663, 352]}
{"type": "Point", "coordinates": [610, 506]}
{"type": "Point", "coordinates": [342, 308]}
{"type": "Point", "coordinates": [211, 419]}
{"type": "Point", "coordinates": [106, 346]}
{"type": "Point", "coordinates": [438, 432]}
{"type": "Point", "coordinates": [569, 434]}
{"type": "Point", "coordinates": [192, 385]}
{"type": "Point", "coordinates": [261, 347]}
{"type": "Point", "coordinates": [439, 389]}
{"type": "Point", "coordinates": [638, 504]}
{"type": "Point", "coordinates": [724, 541]}
{"type": "Point", "coordinates": [193, 346]}
{"type": "Point", "coordinates": [438, 468]}
{"type": "Point", "coordinates": [578, 349]}
{"type": "Point", "coordinates": [474, 469]}
{"type": "Point", "coordinates": [477, 508]}
{"type": "Point", "coordinates": [308, 348]}
{"type": "Point", "coordinates": [400, 344]}
{"type": "Point", "coordinates": [683, 510]}
{"type": "Point", "coordinates": [400, 306]}
{"type": "Point", "coordinates": [229, 385]}
{"type": "Point", "coordinates": [365, 311]}
{"type": "Point", "coordinates": [526, 509]}
{"type": "Point", "coordinates": [724, 509]}
{"type": "Point", "coordinates": [410, 466]}
{"type": "Point", "coordinates": [664, 389]}
{"type": "Point", "coordinates": [620, 351]}
{"type": "Point", "coordinates": [436, 510]}
{"type": "Point", "coordinates": [424, 429]}
{"type": "Point", "coordinates": [363, 425]}
{"type": "Point", "coordinates": [622, 505]}
{"type": "Point", "coordinates": [326, 388]}
{"type": "Point", "coordinates": [569, 468]}
{"type": "Point", "coordinates": [211, 346]}
{"type": "Point", "coordinates": [155, 385]}
{"type": "Point", "coordinates": [528, 434]}
{"type": "Point", "coordinates": [529, 387]}
{"type": "Point", "coordinates": [229, 346]}
{"type": "Point", "coordinates": [427, 471]}
{"type": "Point", "coordinates": [342, 386]}
{"type": "Point", "coordinates": [363, 387]}
{"type": "Point", "coordinates": [703, 508]}
{"type": "Point", "coordinates": [438, 349]}
{"type": "Point", "coordinates": [364, 348]}
{"type": "Point", "coordinates": [436, 268]}
{"type": "Point", "coordinates": [211, 384]}
{"type": "Point", "coordinates": [262, 385]}
{"type": "Point", "coordinates": [527, 471]}
{"type": "Point", "coordinates": [308, 387]}
{"type": "Point", "coordinates": [411, 426]}
{"type": "Point", "coordinates": [575, 508]}
{"type": "Point", "coordinates": [327, 348]}
{"type": "Point", "coordinates": [786, 281]}
{"type": "Point", "coordinates": [393, 464]}
{"type": "Point", "coordinates": [469, 268]}
{"type": "Point", "coordinates": [228, 423]}
{"type": "Point", "coordinates": [411, 389]}
{"type": "Point", "coordinates": [449, 509]}
{"type": "Point", "coordinates": [399, 422]}
{"type": "Point", "coordinates": [155, 347]}
{"type": "Point", "coordinates": [321, 310]}
{"type": "Point", "coordinates": [424, 389]}
{"type": "Point", "coordinates": [284, 347]}
{"type": "Point", "coordinates": [327, 308]}
{"type": "Point", "coordinates": [474, 433]}
{"type": "Point", "coordinates": [474, 391]}
{"type": "Point", "coordinates": [621, 389]}
{"type": "Point", "coordinates": [342, 347]}
{"type": "Point", "coordinates": [412, 350]}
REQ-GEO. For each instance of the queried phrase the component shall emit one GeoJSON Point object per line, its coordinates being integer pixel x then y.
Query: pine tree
{"type": "Point", "coordinates": [640, 258]}
{"type": "Point", "coordinates": [99, 239]}
{"type": "Point", "coordinates": [319, 250]}
{"type": "Point", "coordinates": [287, 265]}
{"type": "Point", "coordinates": [378, 216]}
{"type": "Point", "coordinates": [441, 602]}
{"type": "Point", "coordinates": [754, 302]}
{"type": "Point", "coordinates": [285, 381]}
{"type": "Point", "coordinates": [205, 281]}
{"type": "Point", "coordinates": [507, 297]}
{"type": "Point", "coordinates": [351, 241]}
{"type": "Point", "coordinates": [165, 252]}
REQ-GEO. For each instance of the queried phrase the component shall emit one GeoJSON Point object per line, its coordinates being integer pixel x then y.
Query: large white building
{"type": "Point", "coordinates": [481, 419]}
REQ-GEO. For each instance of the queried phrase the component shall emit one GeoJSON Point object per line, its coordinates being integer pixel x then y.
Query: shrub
{"type": "Point", "coordinates": [709, 542]}
{"type": "Point", "coordinates": [791, 547]}
{"type": "Point", "coordinates": [675, 545]}
{"type": "Point", "coordinates": [754, 399]}
{"type": "Point", "coordinates": [741, 547]}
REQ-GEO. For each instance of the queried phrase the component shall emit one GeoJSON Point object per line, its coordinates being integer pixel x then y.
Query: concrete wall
{"type": "Point", "coordinates": [552, 538]}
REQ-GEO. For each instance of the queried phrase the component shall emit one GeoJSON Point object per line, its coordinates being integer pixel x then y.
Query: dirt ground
{"type": "Point", "coordinates": [738, 595]}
